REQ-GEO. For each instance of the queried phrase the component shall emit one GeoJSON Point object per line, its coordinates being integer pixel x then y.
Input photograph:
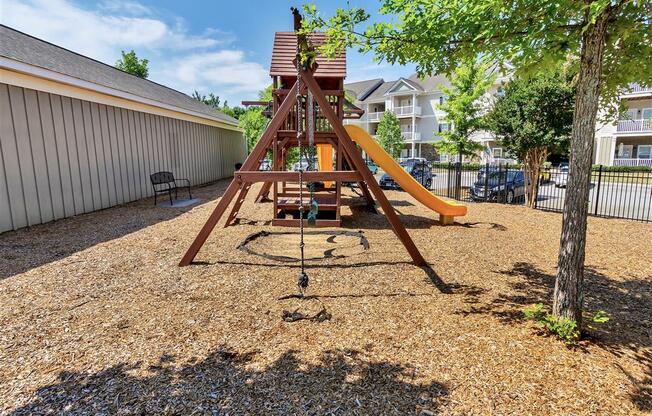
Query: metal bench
{"type": "Point", "coordinates": [165, 182]}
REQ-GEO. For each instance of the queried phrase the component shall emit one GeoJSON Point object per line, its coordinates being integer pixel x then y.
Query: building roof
{"type": "Point", "coordinates": [18, 46]}
{"type": "Point", "coordinates": [284, 52]}
{"type": "Point", "coordinates": [432, 83]}
{"type": "Point", "coordinates": [361, 89]}
{"type": "Point", "coordinates": [375, 89]}
{"type": "Point", "coordinates": [379, 93]}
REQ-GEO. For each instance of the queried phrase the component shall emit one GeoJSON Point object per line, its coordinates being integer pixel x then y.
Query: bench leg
{"type": "Point", "coordinates": [170, 193]}
{"type": "Point", "coordinates": [189, 195]}
{"type": "Point", "coordinates": [154, 198]}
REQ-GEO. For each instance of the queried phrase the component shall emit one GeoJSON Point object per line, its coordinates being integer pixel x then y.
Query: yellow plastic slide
{"type": "Point", "coordinates": [447, 210]}
{"type": "Point", "coordinates": [325, 160]}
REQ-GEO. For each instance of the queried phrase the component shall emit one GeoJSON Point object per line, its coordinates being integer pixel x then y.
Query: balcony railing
{"type": "Point", "coordinates": [632, 162]}
{"type": "Point", "coordinates": [407, 110]}
{"type": "Point", "coordinates": [410, 136]}
{"type": "Point", "coordinates": [634, 126]}
{"type": "Point", "coordinates": [637, 89]}
{"type": "Point", "coordinates": [375, 116]}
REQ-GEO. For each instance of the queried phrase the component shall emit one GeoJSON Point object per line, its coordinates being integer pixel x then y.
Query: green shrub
{"type": "Point", "coordinates": [622, 168]}
{"type": "Point", "coordinates": [564, 328]}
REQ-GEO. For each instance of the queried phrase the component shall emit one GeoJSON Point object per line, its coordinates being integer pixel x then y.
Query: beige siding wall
{"type": "Point", "coordinates": [602, 150]}
{"type": "Point", "coordinates": [61, 156]}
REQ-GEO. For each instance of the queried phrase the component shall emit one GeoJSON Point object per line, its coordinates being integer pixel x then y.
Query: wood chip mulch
{"type": "Point", "coordinates": [96, 317]}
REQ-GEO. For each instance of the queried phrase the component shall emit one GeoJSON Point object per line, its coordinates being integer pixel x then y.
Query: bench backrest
{"type": "Point", "coordinates": [161, 177]}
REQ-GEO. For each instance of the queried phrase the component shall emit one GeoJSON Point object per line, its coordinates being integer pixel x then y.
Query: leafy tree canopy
{"type": "Point", "coordinates": [253, 124]}
{"type": "Point", "coordinates": [131, 64]}
{"type": "Point", "coordinates": [532, 35]}
{"type": "Point", "coordinates": [534, 112]}
{"type": "Point", "coordinates": [389, 134]}
{"type": "Point", "coordinates": [464, 105]}
{"type": "Point", "coordinates": [533, 118]}
{"type": "Point", "coordinates": [213, 100]}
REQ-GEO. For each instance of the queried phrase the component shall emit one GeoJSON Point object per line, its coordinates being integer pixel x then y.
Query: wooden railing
{"type": "Point", "coordinates": [322, 125]}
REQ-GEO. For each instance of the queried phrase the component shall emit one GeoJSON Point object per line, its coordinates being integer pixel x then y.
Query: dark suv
{"type": "Point", "coordinates": [421, 171]}
{"type": "Point", "coordinates": [499, 185]}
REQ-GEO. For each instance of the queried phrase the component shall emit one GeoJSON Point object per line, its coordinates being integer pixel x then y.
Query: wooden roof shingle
{"type": "Point", "coordinates": [284, 52]}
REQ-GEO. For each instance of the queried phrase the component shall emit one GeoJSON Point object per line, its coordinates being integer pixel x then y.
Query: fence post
{"type": "Point", "coordinates": [597, 191]}
{"type": "Point", "coordinates": [486, 182]}
{"type": "Point", "coordinates": [505, 183]}
{"type": "Point", "coordinates": [458, 180]}
{"type": "Point", "coordinates": [448, 179]}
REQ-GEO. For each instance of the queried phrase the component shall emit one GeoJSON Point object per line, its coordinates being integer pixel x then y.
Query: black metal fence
{"type": "Point", "coordinates": [613, 193]}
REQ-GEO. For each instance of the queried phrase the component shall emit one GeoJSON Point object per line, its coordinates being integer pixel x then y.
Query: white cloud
{"type": "Point", "coordinates": [229, 68]}
{"type": "Point", "coordinates": [130, 7]}
{"type": "Point", "coordinates": [178, 58]}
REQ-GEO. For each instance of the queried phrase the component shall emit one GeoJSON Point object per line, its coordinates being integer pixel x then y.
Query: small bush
{"type": "Point", "coordinates": [596, 168]}
{"type": "Point", "coordinates": [564, 328]}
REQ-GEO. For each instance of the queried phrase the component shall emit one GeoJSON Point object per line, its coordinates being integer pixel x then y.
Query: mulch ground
{"type": "Point", "coordinates": [96, 317]}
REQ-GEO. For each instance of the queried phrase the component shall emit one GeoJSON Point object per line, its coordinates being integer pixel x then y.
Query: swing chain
{"type": "Point", "coordinates": [303, 280]}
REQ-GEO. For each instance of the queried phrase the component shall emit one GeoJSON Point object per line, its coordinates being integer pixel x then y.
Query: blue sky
{"type": "Point", "coordinates": [219, 46]}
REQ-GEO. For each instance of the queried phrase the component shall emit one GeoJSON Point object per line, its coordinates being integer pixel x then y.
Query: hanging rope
{"type": "Point", "coordinates": [302, 283]}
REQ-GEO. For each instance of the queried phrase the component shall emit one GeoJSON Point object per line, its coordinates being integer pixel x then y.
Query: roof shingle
{"type": "Point", "coordinates": [284, 52]}
{"type": "Point", "coordinates": [27, 49]}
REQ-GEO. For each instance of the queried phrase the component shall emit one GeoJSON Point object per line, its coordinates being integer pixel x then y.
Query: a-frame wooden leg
{"type": "Point", "coordinates": [244, 190]}
{"type": "Point", "coordinates": [263, 194]}
{"type": "Point", "coordinates": [360, 166]}
{"type": "Point", "coordinates": [367, 196]}
{"type": "Point", "coordinates": [251, 163]}
{"type": "Point", "coordinates": [363, 187]}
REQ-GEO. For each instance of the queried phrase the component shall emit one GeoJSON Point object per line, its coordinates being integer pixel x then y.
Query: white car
{"type": "Point", "coordinates": [561, 177]}
{"type": "Point", "coordinates": [300, 165]}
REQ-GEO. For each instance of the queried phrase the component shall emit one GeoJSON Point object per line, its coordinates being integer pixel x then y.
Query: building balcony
{"type": "Point", "coordinates": [632, 162]}
{"type": "Point", "coordinates": [375, 117]}
{"type": "Point", "coordinates": [407, 111]}
{"type": "Point", "coordinates": [410, 136]}
{"type": "Point", "coordinates": [636, 90]}
{"type": "Point", "coordinates": [634, 126]}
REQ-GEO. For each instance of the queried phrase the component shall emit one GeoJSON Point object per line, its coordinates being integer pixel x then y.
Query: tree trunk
{"type": "Point", "coordinates": [532, 163]}
{"type": "Point", "coordinates": [569, 296]}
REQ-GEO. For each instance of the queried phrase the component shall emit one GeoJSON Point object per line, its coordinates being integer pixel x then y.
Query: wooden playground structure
{"type": "Point", "coordinates": [308, 109]}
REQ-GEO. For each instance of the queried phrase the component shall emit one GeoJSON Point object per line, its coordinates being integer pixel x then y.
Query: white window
{"type": "Point", "coordinates": [500, 92]}
{"type": "Point", "coordinates": [646, 114]}
{"type": "Point", "coordinates": [444, 127]}
{"type": "Point", "coordinates": [645, 151]}
{"type": "Point", "coordinates": [497, 152]}
{"type": "Point", "coordinates": [630, 114]}
{"type": "Point", "coordinates": [441, 100]}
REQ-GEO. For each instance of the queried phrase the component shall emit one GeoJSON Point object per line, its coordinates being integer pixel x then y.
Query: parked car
{"type": "Point", "coordinates": [373, 168]}
{"type": "Point", "coordinates": [266, 164]}
{"type": "Point", "coordinates": [501, 186]}
{"type": "Point", "coordinates": [420, 171]}
{"type": "Point", "coordinates": [413, 160]}
{"type": "Point", "coordinates": [303, 164]}
{"type": "Point", "coordinates": [560, 178]}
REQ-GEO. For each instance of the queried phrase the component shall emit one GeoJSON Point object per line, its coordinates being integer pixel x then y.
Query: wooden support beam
{"type": "Point", "coordinates": [361, 166]}
{"type": "Point", "coordinates": [251, 163]}
{"type": "Point", "coordinates": [308, 176]}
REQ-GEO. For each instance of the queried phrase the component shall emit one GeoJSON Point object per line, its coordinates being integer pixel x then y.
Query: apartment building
{"type": "Point", "coordinates": [415, 102]}
{"type": "Point", "coordinates": [625, 142]}
{"type": "Point", "coordinates": [628, 141]}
